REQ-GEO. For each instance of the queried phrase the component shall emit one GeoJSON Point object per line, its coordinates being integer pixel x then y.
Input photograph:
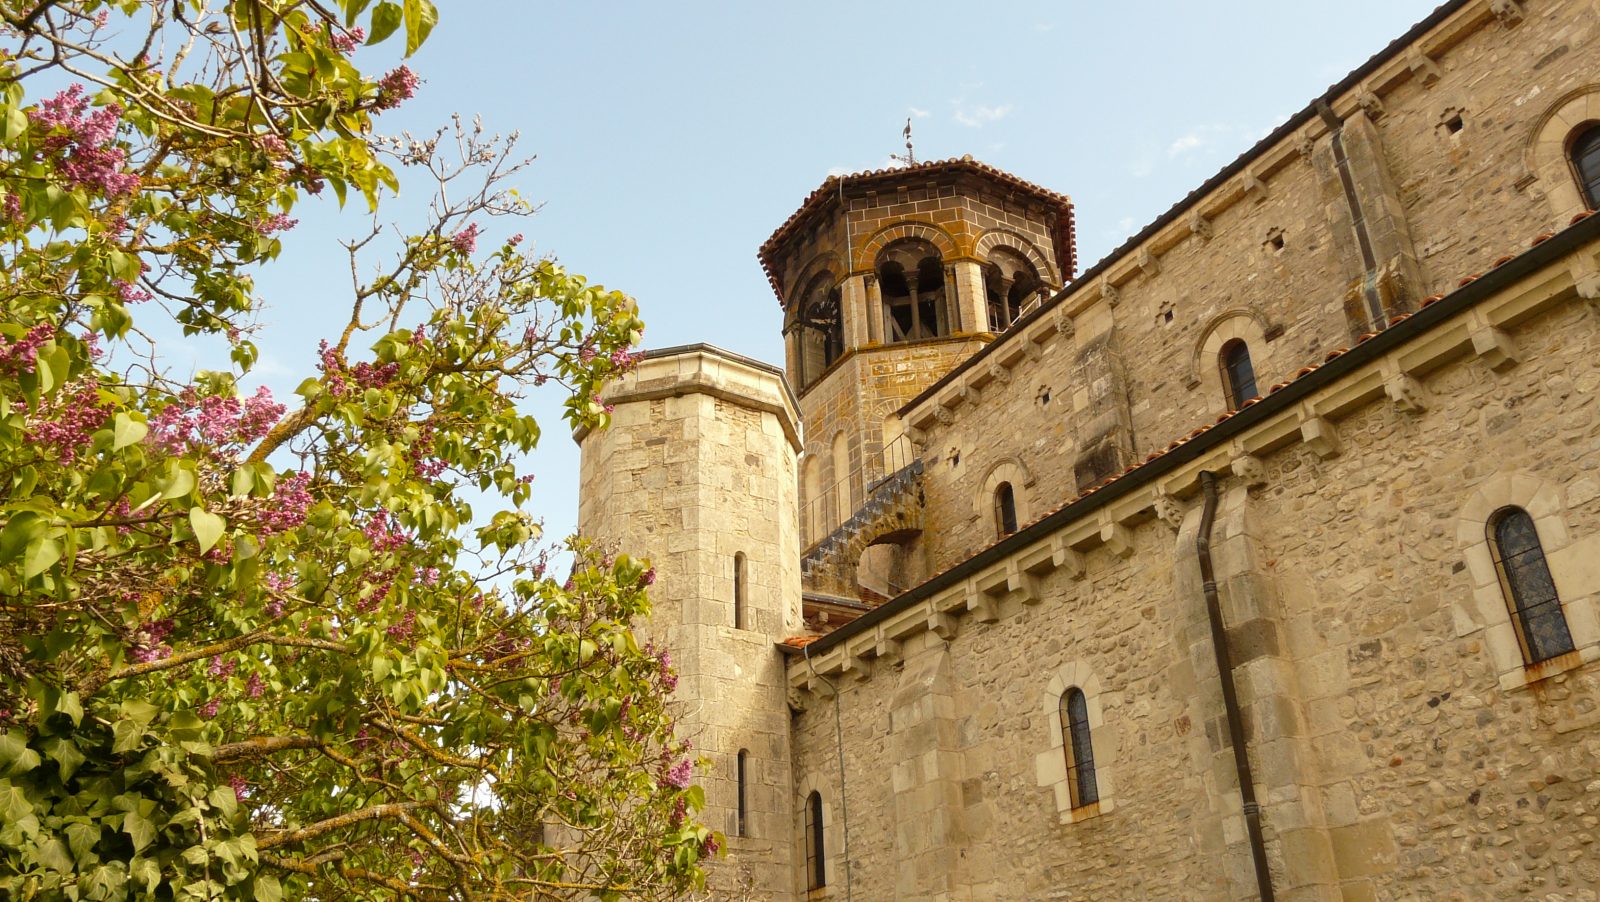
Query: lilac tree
{"type": "Point", "coordinates": [252, 649]}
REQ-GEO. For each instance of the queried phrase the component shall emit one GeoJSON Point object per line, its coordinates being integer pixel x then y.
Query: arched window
{"type": "Point", "coordinates": [1005, 509]}
{"type": "Point", "coordinates": [743, 824]}
{"type": "Point", "coordinates": [1080, 753]}
{"type": "Point", "coordinates": [1009, 283]}
{"type": "Point", "coordinates": [816, 849]}
{"type": "Point", "coordinates": [819, 322]}
{"type": "Point", "coordinates": [911, 280]}
{"type": "Point", "coordinates": [1586, 164]}
{"type": "Point", "coordinates": [1530, 592]}
{"type": "Point", "coordinates": [1238, 375]}
{"type": "Point", "coordinates": [740, 608]}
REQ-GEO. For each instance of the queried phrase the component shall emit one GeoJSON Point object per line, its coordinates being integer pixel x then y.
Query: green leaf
{"type": "Point", "coordinates": [139, 829]}
{"type": "Point", "coordinates": [267, 888]}
{"type": "Point", "coordinates": [16, 814]}
{"type": "Point", "coordinates": [82, 838]}
{"type": "Point", "coordinates": [207, 527]}
{"type": "Point", "coordinates": [41, 555]}
{"type": "Point", "coordinates": [421, 16]}
{"type": "Point", "coordinates": [19, 533]}
{"type": "Point", "coordinates": [15, 756]}
{"type": "Point", "coordinates": [179, 482]}
{"type": "Point", "coordinates": [147, 873]}
{"type": "Point", "coordinates": [385, 20]}
{"type": "Point", "coordinates": [64, 752]}
{"type": "Point", "coordinates": [127, 431]}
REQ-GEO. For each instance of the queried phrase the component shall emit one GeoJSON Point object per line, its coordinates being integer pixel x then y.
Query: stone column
{"type": "Point", "coordinates": [856, 309]}
{"type": "Point", "coordinates": [876, 329]}
{"type": "Point", "coordinates": [970, 297]}
{"type": "Point", "coordinates": [929, 834]}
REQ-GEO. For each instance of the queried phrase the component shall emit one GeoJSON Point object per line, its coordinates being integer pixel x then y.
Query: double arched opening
{"type": "Point", "coordinates": [817, 321]}
{"type": "Point", "coordinates": [917, 295]}
{"type": "Point", "coordinates": [1010, 284]}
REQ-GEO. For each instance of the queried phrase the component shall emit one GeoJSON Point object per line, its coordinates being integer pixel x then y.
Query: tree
{"type": "Point", "coordinates": [253, 653]}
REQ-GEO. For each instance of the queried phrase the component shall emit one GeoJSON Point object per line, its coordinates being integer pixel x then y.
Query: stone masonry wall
{"type": "Point", "coordinates": [1268, 258]}
{"type": "Point", "coordinates": [1392, 759]}
{"type": "Point", "coordinates": [698, 466]}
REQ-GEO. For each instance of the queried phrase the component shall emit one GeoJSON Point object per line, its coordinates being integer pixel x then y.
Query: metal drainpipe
{"type": "Point", "coordinates": [1230, 696]}
{"type": "Point", "coordinates": [838, 741]}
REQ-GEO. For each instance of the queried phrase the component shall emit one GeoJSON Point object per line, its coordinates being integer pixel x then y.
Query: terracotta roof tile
{"type": "Point", "coordinates": [1065, 235]}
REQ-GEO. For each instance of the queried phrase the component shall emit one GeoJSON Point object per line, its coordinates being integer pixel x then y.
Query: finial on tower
{"type": "Point", "coordinates": [910, 157]}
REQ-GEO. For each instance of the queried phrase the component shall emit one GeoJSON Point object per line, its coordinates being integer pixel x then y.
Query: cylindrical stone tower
{"type": "Point", "coordinates": [697, 473]}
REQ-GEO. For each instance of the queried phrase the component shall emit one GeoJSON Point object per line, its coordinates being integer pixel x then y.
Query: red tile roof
{"type": "Point", "coordinates": [1065, 235]}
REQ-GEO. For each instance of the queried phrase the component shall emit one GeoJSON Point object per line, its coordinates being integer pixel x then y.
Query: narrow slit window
{"type": "Point", "coordinates": [816, 860]}
{"type": "Point", "coordinates": [1005, 509]}
{"type": "Point", "coordinates": [1077, 747]}
{"type": "Point", "coordinates": [1586, 163]}
{"type": "Point", "coordinates": [742, 827]}
{"type": "Point", "coordinates": [1238, 374]}
{"type": "Point", "coordinates": [740, 608]}
{"type": "Point", "coordinates": [1530, 591]}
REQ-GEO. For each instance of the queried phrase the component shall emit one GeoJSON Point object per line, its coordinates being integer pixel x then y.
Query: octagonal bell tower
{"type": "Point", "coordinates": [888, 280]}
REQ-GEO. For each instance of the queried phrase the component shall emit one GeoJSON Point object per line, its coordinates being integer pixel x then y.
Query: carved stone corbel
{"type": "Point", "coordinates": [1509, 12]}
{"type": "Point", "coordinates": [1200, 226]}
{"type": "Point", "coordinates": [1149, 263]}
{"type": "Point", "coordinates": [1250, 470]}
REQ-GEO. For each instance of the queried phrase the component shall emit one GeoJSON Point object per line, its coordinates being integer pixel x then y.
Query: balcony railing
{"type": "Point", "coordinates": [836, 504]}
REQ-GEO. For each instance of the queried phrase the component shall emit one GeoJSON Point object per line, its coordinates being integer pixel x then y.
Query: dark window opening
{"type": "Point", "coordinates": [1077, 747]}
{"type": "Point", "coordinates": [1166, 316]}
{"type": "Point", "coordinates": [742, 825]}
{"type": "Point", "coordinates": [1005, 507]}
{"type": "Point", "coordinates": [1010, 283]}
{"type": "Point", "coordinates": [915, 293]}
{"type": "Point", "coordinates": [816, 854]}
{"type": "Point", "coordinates": [819, 319]}
{"type": "Point", "coordinates": [1238, 375]}
{"type": "Point", "coordinates": [1531, 592]}
{"type": "Point", "coordinates": [740, 615]}
{"type": "Point", "coordinates": [1454, 124]}
{"type": "Point", "coordinates": [1586, 161]}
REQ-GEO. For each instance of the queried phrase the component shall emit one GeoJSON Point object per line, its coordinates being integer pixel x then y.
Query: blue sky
{"type": "Point", "coordinates": [673, 138]}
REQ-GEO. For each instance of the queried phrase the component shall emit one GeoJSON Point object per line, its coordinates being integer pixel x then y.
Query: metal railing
{"type": "Point", "coordinates": [837, 503]}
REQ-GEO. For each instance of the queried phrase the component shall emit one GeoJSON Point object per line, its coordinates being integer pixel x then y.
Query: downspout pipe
{"type": "Point", "coordinates": [1230, 694]}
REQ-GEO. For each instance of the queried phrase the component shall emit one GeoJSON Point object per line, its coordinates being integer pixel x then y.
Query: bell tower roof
{"type": "Point", "coordinates": [959, 176]}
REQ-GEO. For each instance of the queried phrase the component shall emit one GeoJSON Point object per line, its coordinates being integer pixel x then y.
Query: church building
{"type": "Point", "coordinates": [1258, 560]}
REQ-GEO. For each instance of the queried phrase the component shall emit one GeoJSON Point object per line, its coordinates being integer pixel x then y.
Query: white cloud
{"type": "Point", "coordinates": [1185, 144]}
{"type": "Point", "coordinates": [1044, 26]}
{"type": "Point", "coordinates": [979, 115]}
{"type": "Point", "coordinates": [919, 113]}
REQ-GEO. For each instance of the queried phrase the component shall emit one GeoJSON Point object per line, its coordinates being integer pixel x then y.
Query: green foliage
{"type": "Point", "coordinates": [247, 653]}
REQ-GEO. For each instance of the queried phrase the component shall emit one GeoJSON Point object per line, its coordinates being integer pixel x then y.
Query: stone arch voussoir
{"type": "Point", "coordinates": [867, 256]}
{"type": "Point", "coordinates": [1006, 238]}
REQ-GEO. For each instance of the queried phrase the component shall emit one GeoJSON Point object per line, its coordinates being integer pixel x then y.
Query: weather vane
{"type": "Point", "coordinates": [910, 157]}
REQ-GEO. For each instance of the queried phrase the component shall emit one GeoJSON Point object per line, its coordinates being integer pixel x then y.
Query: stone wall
{"type": "Point", "coordinates": [697, 467]}
{"type": "Point", "coordinates": [1393, 754]}
{"type": "Point", "coordinates": [1129, 356]}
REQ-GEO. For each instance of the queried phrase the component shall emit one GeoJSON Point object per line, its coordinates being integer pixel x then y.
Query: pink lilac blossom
{"type": "Point", "coordinates": [82, 143]}
{"type": "Point", "coordinates": [400, 632]}
{"type": "Point", "coordinates": [332, 369]}
{"type": "Point", "coordinates": [213, 421]}
{"type": "Point", "coordinates": [430, 576]}
{"type": "Point", "coordinates": [13, 207]}
{"type": "Point", "coordinates": [146, 645]}
{"type": "Point", "coordinates": [67, 425]}
{"type": "Point", "coordinates": [277, 222]}
{"type": "Point", "coordinates": [19, 356]}
{"type": "Point", "coordinates": [209, 709]}
{"type": "Point", "coordinates": [383, 533]}
{"type": "Point", "coordinates": [678, 776]}
{"type": "Point", "coordinates": [346, 41]}
{"type": "Point", "coordinates": [254, 687]}
{"type": "Point", "coordinates": [466, 240]}
{"type": "Point", "coordinates": [290, 501]}
{"type": "Point", "coordinates": [240, 787]}
{"type": "Point", "coordinates": [219, 668]}
{"type": "Point", "coordinates": [369, 376]}
{"type": "Point", "coordinates": [272, 145]}
{"type": "Point", "coordinates": [397, 87]}
{"type": "Point", "coordinates": [129, 293]}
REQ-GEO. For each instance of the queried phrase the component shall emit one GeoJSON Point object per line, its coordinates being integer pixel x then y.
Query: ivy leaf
{"type": "Point", "coordinates": [207, 527]}
{"type": "Point", "coordinates": [267, 888]}
{"type": "Point", "coordinates": [16, 813]}
{"type": "Point", "coordinates": [139, 829]}
{"type": "Point", "coordinates": [127, 431]}
{"type": "Point", "coordinates": [15, 756]}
